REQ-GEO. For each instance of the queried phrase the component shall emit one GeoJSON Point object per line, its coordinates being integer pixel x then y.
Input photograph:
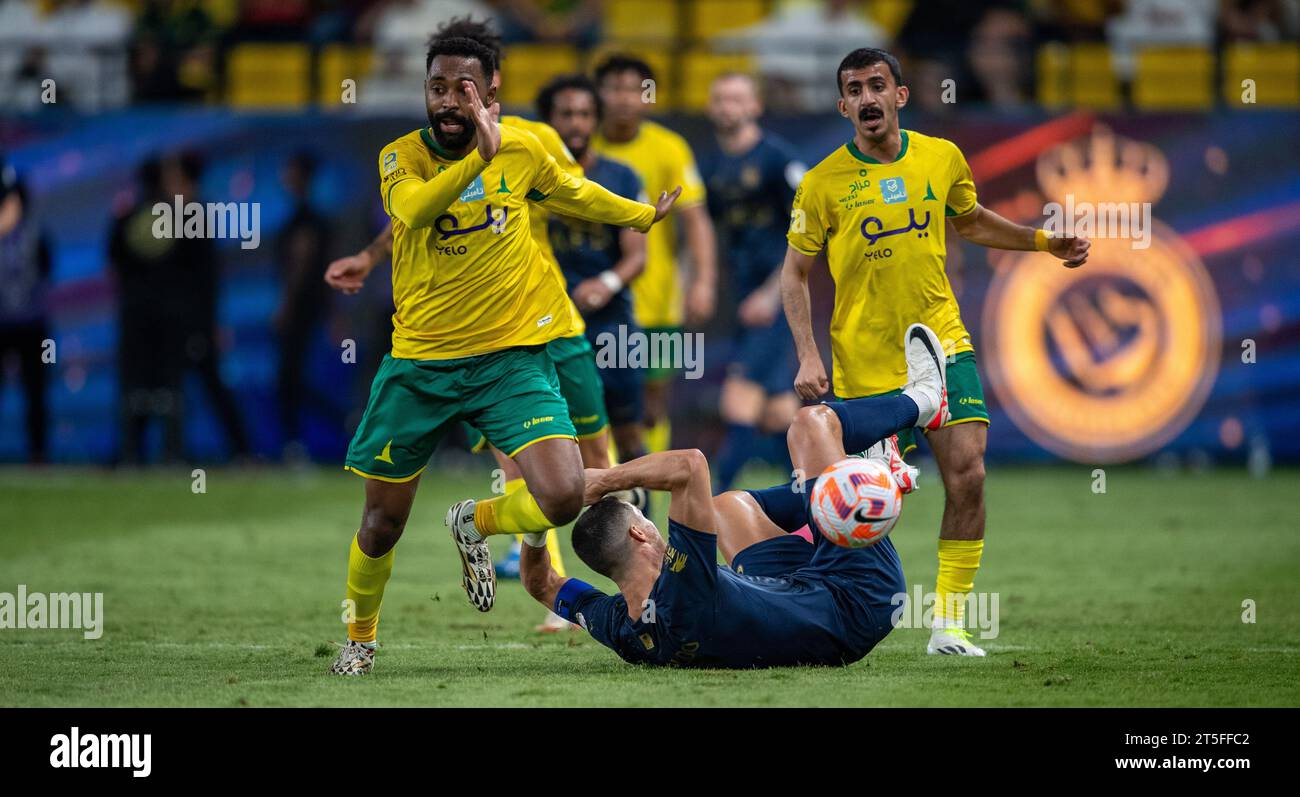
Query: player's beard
{"type": "Point", "coordinates": [453, 142]}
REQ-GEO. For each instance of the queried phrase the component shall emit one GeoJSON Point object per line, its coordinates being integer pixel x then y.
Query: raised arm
{"type": "Point", "coordinates": [811, 382]}
{"type": "Point", "coordinates": [583, 199]}
{"type": "Point", "coordinates": [682, 473]}
{"type": "Point", "coordinates": [986, 228]}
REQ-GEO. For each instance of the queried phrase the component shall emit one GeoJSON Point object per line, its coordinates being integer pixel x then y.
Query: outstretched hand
{"type": "Point", "coordinates": [665, 203]}
{"type": "Point", "coordinates": [348, 274]}
{"type": "Point", "coordinates": [484, 119]}
{"type": "Point", "coordinates": [1073, 250]}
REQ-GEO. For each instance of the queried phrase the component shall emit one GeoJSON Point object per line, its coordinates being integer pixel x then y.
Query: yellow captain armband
{"type": "Point", "coordinates": [1041, 240]}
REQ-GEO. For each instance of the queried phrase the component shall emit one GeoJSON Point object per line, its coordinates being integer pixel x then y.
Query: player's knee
{"type": "Point", "coordinates": [561, 498]}
{"type": "Point", "coordinates": [810, 421]}
{"type": "Point", "coordinates": [382, 525]}
{"type": "Point", "coordinates": [965, 482]}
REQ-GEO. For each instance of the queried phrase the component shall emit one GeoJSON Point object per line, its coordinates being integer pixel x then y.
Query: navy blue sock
{"type": "Point", "coordinates": [783, 506]}
{"type": "Point", "coordinates": [737, 448]}
{"type": "Point", "coordinates": [867, 421]}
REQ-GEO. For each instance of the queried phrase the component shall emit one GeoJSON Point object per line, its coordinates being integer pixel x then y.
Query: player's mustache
{"type": "Point", "coordinates": [450, 116]}
{"type": "Point", "coordinates": [870, 113]}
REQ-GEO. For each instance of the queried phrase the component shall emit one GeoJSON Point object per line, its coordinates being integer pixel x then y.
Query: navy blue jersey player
{"type": "Point", "coordinates": [779, 600]}
{"type": "Point", "coordinates": [599, 260]}
{"type": "Point", "coordinates": [751, 177]}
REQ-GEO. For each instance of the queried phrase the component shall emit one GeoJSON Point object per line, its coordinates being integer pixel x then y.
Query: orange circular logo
{"type": "Point", "coordinates": [1110, 361]}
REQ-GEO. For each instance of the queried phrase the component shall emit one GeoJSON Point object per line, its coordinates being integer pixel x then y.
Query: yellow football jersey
{"type": "Point", "coordinates": [554, 146]}
{"type": "Point", "coordinates": [882, 225]}
{"type": "Point", "coordinates": [663, 160]}
{"type": "Point", "coordinates": [474, 281]}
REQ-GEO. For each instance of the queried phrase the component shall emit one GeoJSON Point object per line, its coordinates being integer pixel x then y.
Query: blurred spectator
{"type": "Point", "coordinates": [167, 293]}
{"type": "Point", "coordinates": [24, 291]}
{"type": "Point", "coordinates": [799, 47]}
{"type": "Point", "coordinates": [1259, 20]}
{"type": "Point", "coordinates": [1073, 20]}
{"type": "Point", "coordinates": [1000, 56]}
{"type": "Point", "coordinates": [302, 255]}
{"type": "Point", "coordinates": [149, 346]}
{"type": "Point", "coordinates": [400, 30]}
{"type": "Point", "coordinates": [575, 22]}
{"type": "Point", "coordinates": [76, 43]}
{"type": "Point", "coordinates": [1146, 23]}
{"type": "Point", "coordinates": [173, 56]}
{"type": "Point", "coordinates": [986, 49]}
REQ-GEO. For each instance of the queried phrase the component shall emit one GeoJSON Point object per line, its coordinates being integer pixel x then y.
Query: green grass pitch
{"type": "Point", "coordinates": [230, 598]}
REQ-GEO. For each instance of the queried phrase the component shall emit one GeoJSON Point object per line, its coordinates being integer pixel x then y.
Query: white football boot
{"type": "Point", "coordinates": [478, 576]}
{"type": "Point", "coordinates": [356, 658]}
{"type": "Point", "coordinates": [927, 376]}
{"type": "Point", "coordinates": [948, 638]}
{"type": "Point", "coordinates": [886, 451]}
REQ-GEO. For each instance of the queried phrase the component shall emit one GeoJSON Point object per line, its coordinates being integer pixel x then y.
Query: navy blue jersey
{"type": "Point", "coordinates": [831, 610]}
{"type": "Point", "coordinates": [584, 249]}
{"type": "Point", "coordinates": [749, 199]}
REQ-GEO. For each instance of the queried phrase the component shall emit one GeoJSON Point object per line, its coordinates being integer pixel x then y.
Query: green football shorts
{"type": "Point", "coordinates": [513, 396]}
{"type": "Point", "coordinates": [580, 385]}
{"type": "Point", "coordinates": [965, 398]}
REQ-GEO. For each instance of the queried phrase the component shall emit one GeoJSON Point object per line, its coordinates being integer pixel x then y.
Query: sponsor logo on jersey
{"type": "Point", "coordinates": [893, 191]}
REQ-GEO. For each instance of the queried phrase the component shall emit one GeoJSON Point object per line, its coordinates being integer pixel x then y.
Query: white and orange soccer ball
{"type": "Point", "coordinates": [856, 502]}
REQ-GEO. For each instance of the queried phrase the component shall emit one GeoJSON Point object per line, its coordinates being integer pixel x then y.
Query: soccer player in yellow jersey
{"type": "Point", "coordinates": [475, 307]}
{"type": "Point", "coordinates": [877, 206]}
{"type": "Point", "coordinates": [573, 356]}
{"type": "Point", "coordinates": [662, 159]}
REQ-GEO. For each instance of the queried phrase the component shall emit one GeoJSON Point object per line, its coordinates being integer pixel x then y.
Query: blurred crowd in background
{"type": "Point", "coordinates": [108, 53]}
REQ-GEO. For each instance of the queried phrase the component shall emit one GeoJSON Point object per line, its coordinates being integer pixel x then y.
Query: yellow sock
{"type": "Point", "coordinates": [516, 512]}
{"type": "Point", "coordinates": [553, 547]}
{"type": "Point", "coordinates": [659, 437]}
{"type": "Point", "coordinates": [366, 579]}
{"type": "Point", "coordinates": [958, 561]}
{"type": "Point", "coordinates": [552, 540]}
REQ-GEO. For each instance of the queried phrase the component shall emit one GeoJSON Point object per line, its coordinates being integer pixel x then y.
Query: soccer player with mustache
{"type": "Point", "coordinates": [878, 206]}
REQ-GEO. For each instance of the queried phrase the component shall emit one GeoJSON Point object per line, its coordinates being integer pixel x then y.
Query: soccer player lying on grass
{"type": "Point", "coordinates": [780, 601]}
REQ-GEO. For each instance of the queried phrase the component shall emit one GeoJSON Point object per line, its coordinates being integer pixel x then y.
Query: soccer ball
{"type": "Point", "coordinates": [856, 502]}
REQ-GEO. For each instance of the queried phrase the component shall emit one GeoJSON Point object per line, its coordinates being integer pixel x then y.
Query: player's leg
{"type": "Point", "coordinates": [778, 413]}
{"type": "Point", "coordinates": [404, 419]}
{"type": "Point", "coordinates": [513, 398]}
{"type": "Point", "coordinates": [741, 407]}
{"type": "Point", "coordinates": [658, 430]}
{"type": "Point", "coordinates": [959, 453]}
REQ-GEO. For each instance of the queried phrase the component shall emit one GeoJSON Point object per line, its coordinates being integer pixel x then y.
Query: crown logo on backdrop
{"type": "Point", "coordinates": [1103, 168]}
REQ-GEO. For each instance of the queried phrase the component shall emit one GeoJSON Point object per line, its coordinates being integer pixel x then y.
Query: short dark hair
{"type": "Point", "coordinates": [478, 30]}
{"type": "Point", "coordinates": [622, 62]}
{"type": "Point", "coordinates": [575, 82]}
{"type": "Point", "coordinates": [464, 48]}
{"type": "Point", "coordinates": [600, 535]}
{"type": "Point", "coordinates": [864, 57]}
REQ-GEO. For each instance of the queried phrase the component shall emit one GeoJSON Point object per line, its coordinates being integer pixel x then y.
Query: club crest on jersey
{"type": "Point", "coordinates": [893, 190]}
{"type": "Point", "coordinates": [474, 191]}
